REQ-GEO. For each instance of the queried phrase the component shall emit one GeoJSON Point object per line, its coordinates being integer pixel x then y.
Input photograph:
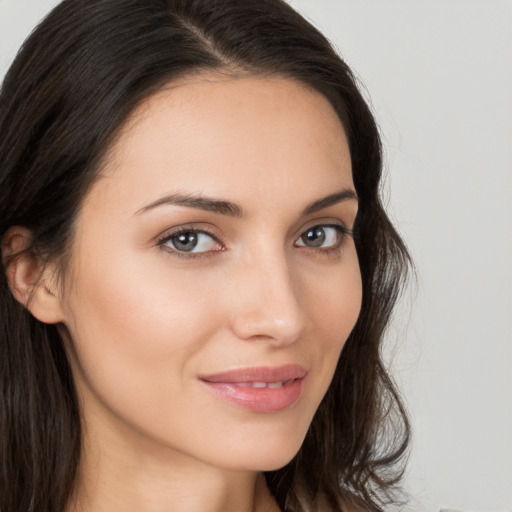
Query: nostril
{"type": "Point", "coordinates": [266, 325]}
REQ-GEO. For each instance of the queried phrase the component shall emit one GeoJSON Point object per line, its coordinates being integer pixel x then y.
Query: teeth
{"type": "Point", "coordinates": [261, 385]}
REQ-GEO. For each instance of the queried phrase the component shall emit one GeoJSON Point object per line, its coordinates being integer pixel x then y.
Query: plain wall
{"type": "Point", "coordinates": [439, 74]}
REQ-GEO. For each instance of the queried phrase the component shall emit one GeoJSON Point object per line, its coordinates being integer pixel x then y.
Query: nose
{"type": "Point", "coordinates": [267, 304]}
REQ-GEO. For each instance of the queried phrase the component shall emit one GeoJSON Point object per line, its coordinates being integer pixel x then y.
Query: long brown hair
{"type": "Point", "coordinates": [73, 84]}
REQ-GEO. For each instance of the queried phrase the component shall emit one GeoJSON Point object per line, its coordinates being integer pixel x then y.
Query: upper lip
{"type": "Point", "coordinates": [258, 374]}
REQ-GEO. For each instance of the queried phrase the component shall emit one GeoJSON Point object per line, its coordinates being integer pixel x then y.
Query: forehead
{"type": "Point", "coordinates": [227, 135]}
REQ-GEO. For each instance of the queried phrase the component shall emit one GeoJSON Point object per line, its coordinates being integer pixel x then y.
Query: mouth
{"type": "Point", "coordinates": [261, 389]}
{"type": "Point", "coordinates": [261, 385]}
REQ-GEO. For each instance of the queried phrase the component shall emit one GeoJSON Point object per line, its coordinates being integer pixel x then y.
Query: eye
{"type": "Point", "coordinates": [321, 237]}
{"type": "Point", "coordinates": [191, 241]}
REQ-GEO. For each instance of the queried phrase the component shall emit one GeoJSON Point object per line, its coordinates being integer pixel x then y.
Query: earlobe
{"type": "Point", "coordinates": [31, 280]}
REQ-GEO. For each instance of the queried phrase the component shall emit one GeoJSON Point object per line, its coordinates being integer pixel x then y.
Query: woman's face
{"type": "Point", "coordinates": [213, 280]}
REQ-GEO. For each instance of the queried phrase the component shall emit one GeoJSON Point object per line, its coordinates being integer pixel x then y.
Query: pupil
{"type": "Point", "coordinates": [314, 237]}
{"type": "Point", "coordinates": [185, 241]}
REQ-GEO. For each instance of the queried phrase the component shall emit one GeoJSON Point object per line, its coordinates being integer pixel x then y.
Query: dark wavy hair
{"type": "Point", "coordinates": [72, 86]}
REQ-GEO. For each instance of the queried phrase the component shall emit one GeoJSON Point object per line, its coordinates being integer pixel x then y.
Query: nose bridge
{"type": "Point", "coordinates": [268, 303]}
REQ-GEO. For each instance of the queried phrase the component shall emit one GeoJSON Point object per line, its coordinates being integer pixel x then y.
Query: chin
{"type": "Point", "coordinates": [268, 455]}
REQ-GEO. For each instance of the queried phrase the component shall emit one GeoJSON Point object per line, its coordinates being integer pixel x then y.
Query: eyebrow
{"type": "Point", "coordinates": [331, 200]}
{"type": "Point", "coordinates": [200, 202]}
{"type": "Point", "coordinates": [234, 210]}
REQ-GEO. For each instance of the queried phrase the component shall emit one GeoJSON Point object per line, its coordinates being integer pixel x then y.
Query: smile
{"type": "Point", "coordinates": [263, 389]}
{"type": "Point", "coordinates": [260, 385]}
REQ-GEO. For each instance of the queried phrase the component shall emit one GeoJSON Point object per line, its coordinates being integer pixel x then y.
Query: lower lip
{"type": "Point", "coordinates": [258, 399]}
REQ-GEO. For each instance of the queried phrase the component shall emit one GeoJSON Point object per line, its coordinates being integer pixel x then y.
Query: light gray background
{"type": "Point", "coordinates": [439, 73]}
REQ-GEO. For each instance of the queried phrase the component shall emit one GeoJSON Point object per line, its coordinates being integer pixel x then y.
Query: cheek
{"type": "Point", "coordinates": [135, 332]}
{"type": "Point", "coordinates": [139, 306]}
{"type": "Point", "coordinates": [334, 301]}
{"type": "Point", "coordinates": [333, 304]}
{"type": "Point", "coordinates": [336, 311]}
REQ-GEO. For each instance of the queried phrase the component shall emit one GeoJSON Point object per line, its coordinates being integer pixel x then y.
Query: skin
{"type": "Point", "coordinates": [145, 320]}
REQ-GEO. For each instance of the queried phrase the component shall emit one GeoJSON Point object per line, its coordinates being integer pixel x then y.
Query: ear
{"type": "Point", "coordinates": [31, 280]}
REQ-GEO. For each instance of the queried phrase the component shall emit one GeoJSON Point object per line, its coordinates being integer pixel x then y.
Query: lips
{"type": "Point", "coordinates": [259, 389]}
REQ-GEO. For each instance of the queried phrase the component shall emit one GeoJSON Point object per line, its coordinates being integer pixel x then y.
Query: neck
{"type": "Point", "coordinates": [134, 475]}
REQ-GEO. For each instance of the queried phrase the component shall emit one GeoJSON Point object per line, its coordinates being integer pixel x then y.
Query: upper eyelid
{"type": "Point", "coordinates": [162, 242]}
{"type": "Point", "coordinates": [343, 231]}
{"type": "Point", "coordinates": [190, 227]}
{"type": "Point", "coordinates": [184, 228]}
{"type": "Point", "coordinates": [326, 223]}
{"type": "Point", "coordinates": [168, 233]}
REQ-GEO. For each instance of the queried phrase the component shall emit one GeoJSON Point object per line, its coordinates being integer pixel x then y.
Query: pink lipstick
{"type": "Point", "coordinates": [259, 389]}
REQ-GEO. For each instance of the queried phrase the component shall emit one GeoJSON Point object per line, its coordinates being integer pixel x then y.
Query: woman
{"type": "Point", "coordinates": [197, 267]}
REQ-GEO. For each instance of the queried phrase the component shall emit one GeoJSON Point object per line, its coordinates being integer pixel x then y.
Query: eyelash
{"type": "Point", "coordinates": [167, 237]}
{"type": "Point", "coordinates": [342, 233]}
